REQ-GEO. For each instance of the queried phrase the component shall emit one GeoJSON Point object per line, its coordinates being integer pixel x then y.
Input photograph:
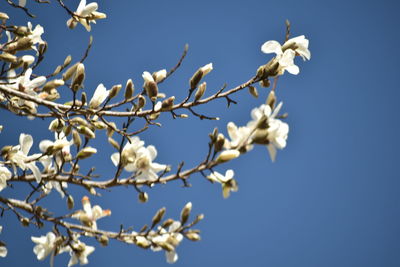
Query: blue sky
{"type": "Point", "coordinates": [331, 198]}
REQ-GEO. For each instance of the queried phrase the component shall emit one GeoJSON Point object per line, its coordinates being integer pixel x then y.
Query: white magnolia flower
{"type": "Point", "coordinates": [19, 156]}
{"type": "Point", "coordinates": [44, 245]}
{"type": "Point", "coordinates": [277, 130]}
{"type": "Point", "coordinates": [25, 84]}
{"type": "Point", "coordinates": [239, 136]}
{"type": "Point", "coordinates": [287, 52]}
{"type": "Point", "coordinates": [5, 175]}
{"type": "Point", "coordinates": [170, 237]}
{"type": "Point", "coordinates": [60, 148]}
{"type": "Point", "coordinates": [146, 169]}
{"type": "Point", "coordinates": [86, 14]}
{"type": "Point", "coordinates": [99, 96]}
{"type": "Point", "coordinates": [3, 248]}
{"type": "Point", "coordinates": [147, 77]}
{"type": "Point", "coordinates": [79, 254]}
{"type": "Point", "coordinates": [89, 215]}
{"type": "Point", "coordinates": [36, 34]}
{"type": "Point", "coordinates": [55, 185]}
{"type": "Point", "coordinates": [227, 182]}
{"type": "Point", "coordinates": [128, 154]}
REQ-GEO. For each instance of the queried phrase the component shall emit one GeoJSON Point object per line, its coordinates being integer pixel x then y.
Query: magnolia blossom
{"type": "Point", "coordinates": [19, 156]}
{"type": "Point", "coordinates": [228, 183]}
{"type": "Point", "coordinates": [89, 215]}
{"type": "Point", "coordinates": [44, 245]}
{"type": "Point", "coordinates": [79, 253]}
{"type": "Point", "coordinates": [239, 136]}
{"type": "Point", "coordinates": [287, 52]}
{"type": "Point", "coordinates": [3, 248]}
{"type": "Point", "coordinates": [206, 69]}
{"type": "Point", "coordinates": [35, 35]}
{"type": "Point", "coordinates": [60, 148]}
{"type": "Point", "coordinates": [99, 96]}
{"type": "Point", "coordinates": [170, 237]}
{"type": "Point", "coordinates": [5, 175]}
{"type": "Point", "coordinates": [25, 84]}
{"type": "Point", "coordinates": [139, 159]}
{"type": "Point", "coordinates": [85, 15]}
{"type": "Point", "coordinates": [277, 131]}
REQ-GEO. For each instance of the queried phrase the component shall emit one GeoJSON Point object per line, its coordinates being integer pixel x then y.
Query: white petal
{"type": "Point", "coordinates": [3, 251]}
{"type": "Point", "coordinates": [115, 158]}
{"type": "Point", "coordinates": [293, 69]}
{"type": "Point", "coordinates": [25, 141]}
{"type": "Point", "coordinates": [22, 3]}
{"type": "Point", "coordinates": [152, 152]}
{"type": "Point", "coordinates": [272, 152]}
{"type": "Point", "coordinates": [35, 170]}
{"type": "Point", "coordinates": [43, 145]}
{"type": "Point", "coordinates": [36, 82]}
{"type": "Point", "coordinates": [73, 260]}
{"type": "Point", "coordinates": [271, 47]}
{"type": "Point", "coordinates": [87, 10]}
{"type": "Point", "coordinates": [171, 256]}
{"type": "Point", "coordinates": [229, 174]}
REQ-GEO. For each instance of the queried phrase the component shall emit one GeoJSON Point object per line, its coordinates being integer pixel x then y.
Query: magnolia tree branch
{"type": "Point", "coordinates": [62, 161]}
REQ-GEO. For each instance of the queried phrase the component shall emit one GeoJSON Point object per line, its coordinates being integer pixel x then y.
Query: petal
{"type": "Point", "coordinates": [3, 251]}
{"type": "Point", "coordinates": [25, 141]}
{"type": "Point", "coordinates": [171, 256]}
{"type": "Point", "coordinates": [87, 10]}
{"type": "Point", "coordinates": [22, 3]}
{"type": "Point", "coordinates": [158, 167]}
{"type": "Point", "coordinates": [44, 145]}
{"type": "Point", "coordinates": [35, 170]}
{"type": "Point", "coordinates": [271, 47]}
{"type": "Point", "coordinates": [229, 174]}
{"type": "Point", "coordinates": [73, 260]}
{"type": "Point", "coordinates": [152, 152]}
{"type": "Point", "coordinates": [115, 158]}
{"type": "Point", "coordinates": [293, 69]}
{"type": "Point", "coordinates": [272, 152]}
{"type": "Point", "coordinates": [81, 6]}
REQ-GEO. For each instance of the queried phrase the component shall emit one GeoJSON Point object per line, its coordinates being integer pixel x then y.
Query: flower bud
{"type": "Point", "coordinates": [253, 91]}
{"type": "Point", "coordinates": [4, 15]}
{"type": "Point", "coordinates": [151, 90]}
{"type": "Point", "coordinates": [271, 99]}
{"type": "Point", "coordinates": [265, 83]}
{"type": "Point", "coordinates": [27, 60]}
{"type": "Point", "coordinates": [7, 57]}
{"type": "Point", "coordinates": [228, 155]}
{"type": "Point", "coordinates": [103, 240]}
{"type": "Point", "coordinates": [143, 197]}
{"type": "Point", "coordinates": [196, 78]}
{"type": "Point", "coordinates": [24, 43]}
{"type": "Point", "coordinates": [129, 89]}
{"type": "Point", "coordinates": [200, 91]}
{"type": "Point", "coordinates": [70, 202]}
{"type": "Point", "coordinates": [79, 77]}
{"type": "Point", "coordinates": [142, 242]}
{"type": "Point", "coordinates": [53, 84]}
{"type": "Point", "coordinates": [167, 223]}
{"type": "Point", "coordinates": [86, 132]}
{"type": "Point", "coordinates": [76, 138]}
{"type": "Point", "coordinates": [159, 75]}
{"type": "Point", "coordinates": [192, 236]}
{"type": "Point", "coordinates": [186, 212]}
{"type": "Point", "coordinates": [24, 221]}
{"type": "Point", "coordinates": [168, 103]}
{"type": "Point", "coordinates": [110, 129]}
{"type": "Point", "coordinates": [70, 71]}
{"type": "Point", "coordinates": [141, 102]}
{"type": "Point", "coordinates": [86, 152]}
{"type": "Point", "coordinates": [158, 216]}
{"type": "Point", "coordinates": [219, 143]}
{"type": "Point", "coordinates": [56, 125]}
{"type": "Point", "coordinates": [114, 91]}
{"type": "Point", "coordinates": [67, 60]}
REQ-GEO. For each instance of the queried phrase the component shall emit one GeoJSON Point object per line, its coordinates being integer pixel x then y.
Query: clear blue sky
{"type": "Point", "coordinates": [332, 197]}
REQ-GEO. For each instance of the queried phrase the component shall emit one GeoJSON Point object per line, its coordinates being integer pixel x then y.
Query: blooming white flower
{"type": "Point", "coordinates": [287, 52]}
{"type": "Point", "coordinates": [128, 154]}
{"type": "Point", "coordinates": [19, 156]}
{"type": "Point", "coordinates": [86, 14]}
{"type": "Point", "coordinates": [99, 96]}
{"type": "Point", "coordinates": [227, 182]}
{"type": "Point", "coordinates": [88, 216]}
{"type": "Point", "coordinates": [277, 131]}
{"type": "Point", "coordinates": [3, 248]}
{"type": "Point", "coordinates": [25, 84]}
{"type": "Point", "coordinates": [170, 237]}
{"type": "Point", "coordinates": [35, 35]}
{"type": "Point", "coordinates": [60, 148]}
{"type": "Point", "coordinates": [5, 175]}
{"type": "Point", "coordinates": [79, 253]}
{"type": "Point", "coordinates": [146, 169]}
{"type": "Point", "coordinates": [239, 136]}
{"type": "Point", "coordinates": [44, 245]}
